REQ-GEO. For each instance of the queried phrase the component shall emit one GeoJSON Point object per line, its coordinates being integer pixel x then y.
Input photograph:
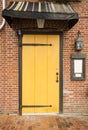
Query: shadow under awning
{"type": "Point", "coordinates": [40, 10]}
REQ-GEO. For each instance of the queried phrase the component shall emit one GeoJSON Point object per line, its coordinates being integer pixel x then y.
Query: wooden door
{"type": "Point", "coordinates": [40, 73]}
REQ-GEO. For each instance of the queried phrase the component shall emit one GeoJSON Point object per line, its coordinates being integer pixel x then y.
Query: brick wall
{"type": "Point", "coordinates": [8, 70]}
{"type": "Point", "coordinates": [75, 92]}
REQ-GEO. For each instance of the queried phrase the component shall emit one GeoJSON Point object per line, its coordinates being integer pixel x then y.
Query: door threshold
{"type": "Point", "coordinates": [40, 114]}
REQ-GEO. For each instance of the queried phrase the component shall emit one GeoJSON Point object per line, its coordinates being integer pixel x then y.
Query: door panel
{"type": "Point", "coordinates": [53, 67]}
{"type": "Point", "coordinates": [41, 73]}
{"type": "Point", "coordinates": [40, 91]}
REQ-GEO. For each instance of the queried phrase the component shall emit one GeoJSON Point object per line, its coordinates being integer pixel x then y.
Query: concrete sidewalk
{"type": "Point", "coordinates": [42, 123]}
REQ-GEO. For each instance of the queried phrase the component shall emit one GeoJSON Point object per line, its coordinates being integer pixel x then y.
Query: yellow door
{"type": "Point", "coordinates": [40, 73]}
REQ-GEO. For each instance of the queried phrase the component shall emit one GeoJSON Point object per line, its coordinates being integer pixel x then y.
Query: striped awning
{"type": "Point", "coordinates": [40, 10]}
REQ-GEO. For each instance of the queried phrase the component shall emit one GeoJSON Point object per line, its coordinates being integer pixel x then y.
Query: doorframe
{"type": "Point", "coordinates": [20, 34]}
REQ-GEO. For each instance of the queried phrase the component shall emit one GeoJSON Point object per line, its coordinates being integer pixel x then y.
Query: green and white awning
{"type": "Point", "coordinates": [40, 10]}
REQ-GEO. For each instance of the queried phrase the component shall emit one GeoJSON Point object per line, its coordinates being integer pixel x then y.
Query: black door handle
{"type": "Point", "coordinates": [57, 78]}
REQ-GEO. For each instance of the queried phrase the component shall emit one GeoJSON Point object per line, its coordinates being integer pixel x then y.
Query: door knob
{"type": "Point", "coordinates": [57, 79]}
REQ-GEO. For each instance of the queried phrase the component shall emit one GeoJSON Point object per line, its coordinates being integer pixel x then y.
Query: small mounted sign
{"type": "Point", "coordinates": [78, 66]}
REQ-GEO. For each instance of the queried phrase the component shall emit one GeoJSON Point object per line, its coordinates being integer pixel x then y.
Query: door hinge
{"type": "Point", "coordinates": [37, 106]}
{"type": "Point", "coordinates": [37, 44]}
